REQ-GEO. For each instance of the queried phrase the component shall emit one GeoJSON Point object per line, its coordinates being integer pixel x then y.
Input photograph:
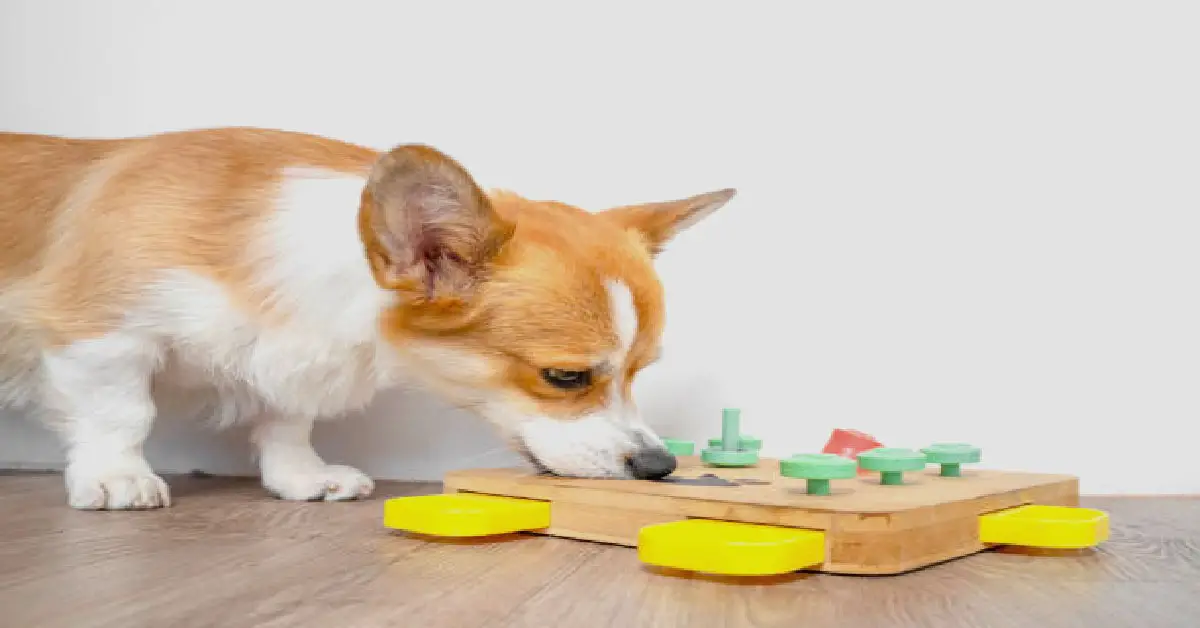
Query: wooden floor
{"type": "Point", "coordinates": [227, 555]}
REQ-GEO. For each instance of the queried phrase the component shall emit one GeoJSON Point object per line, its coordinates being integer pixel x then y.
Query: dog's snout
{"type": "Point", "coordinates": [651, 464]}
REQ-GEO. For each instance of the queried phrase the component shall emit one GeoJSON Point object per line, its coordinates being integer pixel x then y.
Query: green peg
{"type": "Point", "coordinates": [952, 456]}
{"type": "Point", "coordinates": [731, 428]}
{"type": "Point", "coordinates": [818, 470]}
{"type": "Point", "coordinates": [679, 447]}
{"type": "Point", "coordinates": [729, 452]}
{"type": "Point", "coordinates": [891, 463]}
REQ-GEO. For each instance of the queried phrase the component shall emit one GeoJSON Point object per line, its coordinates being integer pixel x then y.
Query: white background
{"type": "Point", "coordinates": [955, 221]}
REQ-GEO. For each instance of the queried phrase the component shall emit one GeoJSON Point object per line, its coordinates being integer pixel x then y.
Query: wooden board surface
{"type": "Point", "coordinates": [860, 495]}
{"type": "Point", "coordinates": [870, 528]}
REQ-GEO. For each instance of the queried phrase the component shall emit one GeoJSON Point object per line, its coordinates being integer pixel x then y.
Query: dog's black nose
{"type": "Point", "coordinates": [651, 464]}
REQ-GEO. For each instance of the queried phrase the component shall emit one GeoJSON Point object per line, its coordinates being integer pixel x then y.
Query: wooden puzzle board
{"type": "Point", "coordinates": [870, 528]}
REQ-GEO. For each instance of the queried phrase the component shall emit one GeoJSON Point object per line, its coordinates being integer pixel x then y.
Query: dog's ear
{"type": "Point", "coordinates": [658, 223]}
{"type": "Point", "coordinates": [429, 230]}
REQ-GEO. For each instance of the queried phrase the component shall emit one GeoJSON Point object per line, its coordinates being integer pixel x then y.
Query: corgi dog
{"type": "Point", "coordinates": [271, 278]}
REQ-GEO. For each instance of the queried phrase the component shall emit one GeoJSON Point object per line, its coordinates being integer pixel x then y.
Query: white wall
{"type": "Point", "coordinates": [956, 222]}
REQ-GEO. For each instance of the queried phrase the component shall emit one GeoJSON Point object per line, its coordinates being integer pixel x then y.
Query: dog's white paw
{"type": "Point", "coordinates": [324, 482]}
{"type": "Point", "coordinates": [118, 484]}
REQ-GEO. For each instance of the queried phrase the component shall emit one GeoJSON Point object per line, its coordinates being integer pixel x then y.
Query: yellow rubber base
{"type": "Point", "coordinates": [465, 514]}
{"type": "Point", "coordinates": [1049, 527]}
{"type": "Point", "coordinates": [730, 548]}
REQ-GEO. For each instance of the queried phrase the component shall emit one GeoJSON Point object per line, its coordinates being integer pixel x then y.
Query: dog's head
{"type": "Point", "coordinates": [537, 315]}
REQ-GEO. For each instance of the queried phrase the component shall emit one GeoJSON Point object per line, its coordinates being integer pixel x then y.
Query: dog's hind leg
{"type": "Point", "coordinates": [98, 395]}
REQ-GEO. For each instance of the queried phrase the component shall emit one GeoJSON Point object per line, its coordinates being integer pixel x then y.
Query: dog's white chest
{"type": "Point", "coordinates": [276, 371]}
{"type": "Point", "coordinates": [300, 367]}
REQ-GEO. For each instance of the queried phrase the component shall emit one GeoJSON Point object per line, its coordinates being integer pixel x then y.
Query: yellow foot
{"type": "Point", "coordinates": [1046, 527]}
{"type": "Point", "coordinates": [465, 514]}
{"type": "Point", "coordinates": [730, 548]}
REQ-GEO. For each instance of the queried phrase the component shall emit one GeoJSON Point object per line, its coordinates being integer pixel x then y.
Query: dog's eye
{"type": "Point", "coordinates": [567, 380]}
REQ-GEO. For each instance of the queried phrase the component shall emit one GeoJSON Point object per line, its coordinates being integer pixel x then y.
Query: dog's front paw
{"type": "Point", "coordinates": [323, 482]}
{"type": "Point", "coordinates": [117, 484]}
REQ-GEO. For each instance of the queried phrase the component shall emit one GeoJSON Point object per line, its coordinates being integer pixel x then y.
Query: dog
{"type": "Point", "coordinates": [273, 278]}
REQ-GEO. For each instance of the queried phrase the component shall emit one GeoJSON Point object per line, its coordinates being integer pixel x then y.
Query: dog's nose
{"type": "Point", "coordinates": [651, 464]}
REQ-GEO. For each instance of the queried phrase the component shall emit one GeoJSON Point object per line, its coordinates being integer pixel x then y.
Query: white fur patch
{"type": "Point", "coordinates": [625, 322]}
{"type": "Point", "coordinates": [315, 263]}
{"type": "Point", "coordinates": [624, 315]}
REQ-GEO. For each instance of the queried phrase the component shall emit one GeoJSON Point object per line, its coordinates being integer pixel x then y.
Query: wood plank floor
{"type": "Point", "coordinates": [227, 555]}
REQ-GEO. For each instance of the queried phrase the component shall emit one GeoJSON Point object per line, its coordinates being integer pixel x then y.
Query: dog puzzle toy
{"type": "Point", "coordinates": [746, 515]}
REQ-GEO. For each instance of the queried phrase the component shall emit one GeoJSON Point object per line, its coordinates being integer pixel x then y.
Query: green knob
{"type": "Point", "coordinates": [722, 458]}
{"type": "Point", "coordinates": [744, 442]}
{"type": "Point", "coordinates": [952, 456]}
{"type": "Point", "coordinates": [679, 447]}
{"type": "Point", "coordinates": [818, 470]}
{"type": "Point", "coordinates": [891, 463]}
{"type": "Point", "coordinates": [728, 451]}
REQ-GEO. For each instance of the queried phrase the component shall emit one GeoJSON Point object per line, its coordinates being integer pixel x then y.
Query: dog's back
{"type": "Point", "coordinates": [37, 174]}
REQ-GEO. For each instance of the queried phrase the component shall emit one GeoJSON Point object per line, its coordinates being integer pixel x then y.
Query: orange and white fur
{"type": "Point", "coordinates": [275, 279]}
